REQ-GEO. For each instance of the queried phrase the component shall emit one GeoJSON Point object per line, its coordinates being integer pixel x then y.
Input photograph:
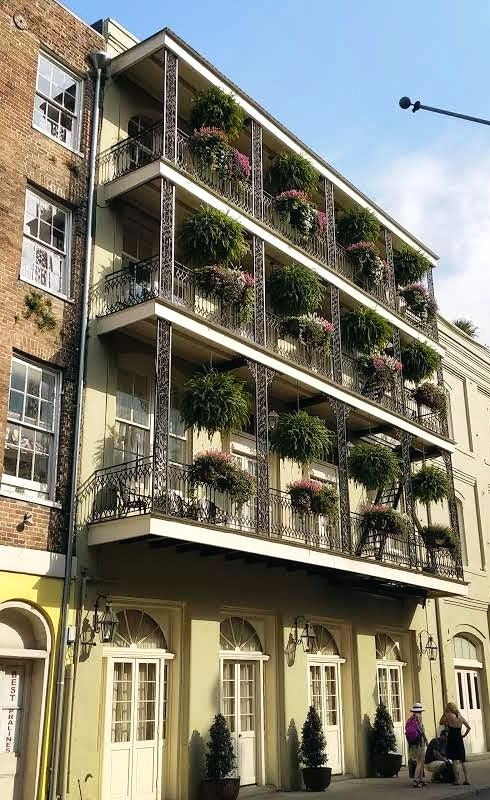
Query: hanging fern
{"type": "Point", "coordinates": [294, 290]}
{"type": "Point", "coordinates": [292, 171]}
{"type": "Point", "coordinates": [419, 361]}
{"type": "Point", "coordinates": [301, 437]}
{"type": "Point", "coordinates": [364, 330]}
{"type": "Point", "coordinates": [430, 485]}
{"type": "Point", "coordinates": [373, 466]}
{"type": "Point", "coordinates": [215, 401]}
{"type": "Point", "coordinates": [410, 265]}
{"type": "Point", "coordinates": [437, 537]}
{"type": "Point", "coordinates": [357, 225]}
{"type": "Point", "coordinates": [213, 108]}
{"type": "Point", "coordinates": [209, 237]}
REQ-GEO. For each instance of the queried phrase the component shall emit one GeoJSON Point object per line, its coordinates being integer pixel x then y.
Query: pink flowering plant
{"type": "Point", "coordinates": [383, 519]}
{"type": "Point", "coordinates": [211, 149]}
{"type": "Point", "coordinates": [379, 371]}
{"type": "Point", "coordinates": [297, 210]}
{"type": "Point", "coordinates": [419, 301]}
{"type": "Point", "coordinates": [220, 471]}
{"type": "Point", "coordinates": [310, 496]}
{"type": "Point", "coordinates": [432, 396]}
{"type": "Point", "coordinates": [238, 166]}
{"type": "Point", "coordinates": [311, 330]}
{"type": "Point", "coordinates": [232, 286]}
{"type": "Point", "coordinates": [368, 265]}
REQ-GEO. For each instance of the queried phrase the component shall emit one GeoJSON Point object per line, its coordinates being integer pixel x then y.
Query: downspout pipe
{"type": "Point", "coordinates": [98, 60]}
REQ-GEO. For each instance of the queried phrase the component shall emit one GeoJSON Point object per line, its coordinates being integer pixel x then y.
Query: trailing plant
{"type": "Point", "coordinates": [210, 236]}
{"type": "Point", "coordinates": [292, 171]}
{"type": "Point", "coordinates": [364, 330]}
{"type": "Point", "coordinates": [430, 484]}
{"type": "Point", "coordinates": [384, 519]}
{"type": "Point", "coordinates": [357, 225]}
{"type": "Point", "coordinates": [419, 301]}
{"type": "Point", "coordinates": [368, 266]}
{"type": "Point", "coordinates": [220, 757]}
{"type": "Point", "coordinates": [467, 326]}
{"type": "Point", "coordinates": [211, 148]}
{"type": "Point", "coordinates": [440, 537]}
{"type": "Point", "coordinates": [432, 396]}
{"type": "Point", "coordinates": [238, 167]}
{"type": "Point", "coordinates": [41, 308]}
{"type": "Point", "coordinates": [409, 265]}
{"type": "Point", "coordinates": [301, 437]}
{"type": "Point", "coordinates": [215, 401]}
{"type": "Point", "coordinates": [311, 330]}
{"type": "Point", "coordinates": [383, 734]}
{"type": "Point", "coordinates": [298, 211]}
{"type": "Point", "coordinates": [310, 496]}
{"type": "Point", "coordinates": [379, 371]}
{"type": "Point", "coordinates": [373, 466]}
{"type": "Point", "coordinates": [214, 108]}
{"type": "Point", "coordinates": [312, 751]}
{"type": "Point", "coordinates": [419, 361]}
{"type": "Point", "coordinates": [217, 469]}
{"type": "Point", "coordinates": [231, 286]}
{"type": "Point", "coordinates": [294, 290]}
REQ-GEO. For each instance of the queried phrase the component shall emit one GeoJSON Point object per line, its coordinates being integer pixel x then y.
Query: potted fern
{"type": "Point", "coordinates": [364, 330]}
{"type": "Point", "coordinates": [300, 437]}
{"type": "Point", "coordinates": [439, 537]}
{"type": "Point", "coordinates": [373, 466]}
{"type": "Point", "coordinates": [357, 225]}
{"type": "Point", "coordinates": [419, 301]}
{"type": "Point", "coordinates": [210, 236]}
{"type": "Point", "coordinates": [220, 763]}
{"type": "Point", "coordinates": [215, 401]}
{"type": "Point", "coordinates": [409, 265]}
{"type": "Point", "coordinates": [214, 108]}
{"type": "Point", "coordinates": [387, 760]}
{"type": "Point", "coordinates": [430, 484]}
{"type": "Point", "coordinates": [313, 755]}
{"type": "Point", "coordinates": [419, 361]}
{"type": "Point", "coordinates": [294, 291]}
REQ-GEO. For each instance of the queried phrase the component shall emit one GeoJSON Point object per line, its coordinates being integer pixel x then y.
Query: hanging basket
{"type": "Point", "coordinates": [215, 401]}
{"type": "Point", "coordinates": [373, 466]}
{"type": "Point", "coordinates": [440, 537]}
{"type": "Point", "coordinates": [310, 496]}
{"type": "Point", "coordinates": [301, 437]}
{"type": "Point", "coordinates": [217, 469]}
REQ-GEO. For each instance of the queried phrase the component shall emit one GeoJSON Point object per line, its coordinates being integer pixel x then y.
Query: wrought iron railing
{"type": "Point", "coordinates": [128, 489]}
{"type": "Point", "coordinates": [353, 379]}
{"type": "Point", "coordinates": [313, 244]}
{"type": "Point", "coordinates": [293, 349]}
{"type": "Point", "coordinates": [130, 154]}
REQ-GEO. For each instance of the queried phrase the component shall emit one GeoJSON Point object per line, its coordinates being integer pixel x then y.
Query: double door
{"type": "Point", "coordinates": [14, 704]}
{"type": "Point", "coordinates": [390, 693]}
{"type": "Point", "coordinates": [324, 685]}
{"type": "Point", "coordinates": [468, 690]}
{"type": "Point", "coordinates": [239, 700]}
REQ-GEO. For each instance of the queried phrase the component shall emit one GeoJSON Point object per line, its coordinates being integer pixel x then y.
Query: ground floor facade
{"type": "Point", "coordinates": [201, 633]}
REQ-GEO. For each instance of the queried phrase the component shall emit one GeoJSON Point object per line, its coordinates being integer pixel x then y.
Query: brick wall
{"type": "Point", "coordinates": [30, 157]}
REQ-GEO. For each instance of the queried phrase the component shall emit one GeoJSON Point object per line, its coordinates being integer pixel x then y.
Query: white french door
{"type": "Point", "coordinates": [14, 704]}
{"type": "Point", "coordinates": [390, 693]}
{"type": "Point", "coordinates": [325, 696]}
{"type": "Point", "coordinates": [468, 688]}
{"type": "Point", "coordinates": [135, 730]}
{"type": "Point", "coordinates": [239, 707]}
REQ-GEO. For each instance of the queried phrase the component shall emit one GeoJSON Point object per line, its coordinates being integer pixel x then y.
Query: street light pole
{"type": "Point", "coordinates": [406, 103]}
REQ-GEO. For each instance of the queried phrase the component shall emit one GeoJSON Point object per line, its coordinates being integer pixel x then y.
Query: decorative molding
{"type": "Point", "coordinates": [24, 560]}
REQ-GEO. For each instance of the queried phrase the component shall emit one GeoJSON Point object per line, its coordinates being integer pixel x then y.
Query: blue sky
{"type": "Point", "coordinates": [333, 72]}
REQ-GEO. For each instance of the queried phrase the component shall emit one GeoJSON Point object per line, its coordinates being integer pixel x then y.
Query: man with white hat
{"type": "Point", "coordinates": [417, 741]}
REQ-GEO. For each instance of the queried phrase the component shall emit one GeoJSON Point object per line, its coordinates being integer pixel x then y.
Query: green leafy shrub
{"type": "Point", "coordinates": [357, 225]}
{"type": "Point", "coordinates": [364, 330]}
{"type": "Point", "coordinates": [220, 757]}
{"type": "Point", "coordinates": [383, 734]}
{"type": "Point", "coordinates": [231, 286]}
{"type": "Point", "coordinates": [292, 171]}
{"type": "Point", "coordinates": [432, 396]}
{"type": "Point", "coordinates": [419, 301]}
{"type": "Point", "coordinates": [294, 290]}
{"type": "Point", "coordinates": [312, 751]}
{"type": "Point", "coordinates": [430, 484]}
{"type": "Point", "coordinates": [384, 519]}
{"type": "Point", "coordinates": [209, 236]}
{"type": "Point", "coordinates": [213, 108]}
{"type": "Point", "coordinates": [311, 330]}
{"type": "Point", "coordinates": [301, 437]}
{"type": "Point", "coordinates": [215, 401]}
{"type": "Point", "coordinates": [369, 267]}
{"type": "Point", "coordinates": [297, 210]}
{"type": "Point", "coordinates": [373, 466]}
{"type": "Point", "coordinates": [310, 496]}
{"type": "Point", "coordinates": [217, 469]}
{"type": "Point", "coordinates": [410, 265]}
{"type": "Point", "coordinates": [419, 361]}
{"type": "Point", "coordinates": [41, 308]}
{"type": "Point", "coordinates": [440, 537]}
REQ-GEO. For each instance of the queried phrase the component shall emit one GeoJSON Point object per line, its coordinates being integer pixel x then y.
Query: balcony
{"type": "Point", "coordinates": [127, 491]}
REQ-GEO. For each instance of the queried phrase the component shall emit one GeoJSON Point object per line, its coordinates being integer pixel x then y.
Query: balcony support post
{"type": "Point", "coordinates": [443, 418]}
{"type": "Point", "coordinates": [341, 411]}
{"type": "Point", "coordinates": [167, 235]}
{"type": "Point", "coordinates": [406, 477]}
{"type": "Point", "coordinates": [399, 385]}
{"type": "Point", "coordinates": [170, 90]}
{"type": "Point", "coordinates": [392, 294]}
{"type": "Point", "coordinates": [330, 214]}
{"type": "Point", "coordinates": [336, 336]}
{"type": "Point", "coordinates": [163, 371]}
{"type": "Point", "coordinates": [257, 172]}
{"type": "Point", "coordinates": [263, 377]}
{"type": "Point", "coordinates": [430, 287]}
{"type": "Point", "coordinates": [259, 289]}
{"type": "Point", "coordinates": [453, 509]}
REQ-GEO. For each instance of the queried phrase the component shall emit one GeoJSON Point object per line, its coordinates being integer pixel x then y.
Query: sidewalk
{"type": "Point", "coordinates": [386, 789]}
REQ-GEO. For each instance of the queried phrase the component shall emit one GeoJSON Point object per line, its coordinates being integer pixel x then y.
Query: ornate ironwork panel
{"type": "Point", "coordinates": [330, 214]}
{"type": "Point", "coordinates": [259, 275]}
{"type": "Point", "coordinates": [399, 387]}
{"type": "Point", "coordinates": [451, 501]}
{"type": "Point", "coordinates": [257, 172]}
{"type": "Point", "coordinates": [163, 371]}
{"type": "Point", "coordinates": [406, 477]}
{"type": "Point", "coordinates": [443, 417]}
{"type": "Point", "coordinates": [341, 411]}
{"type": "Point", "coordinates": [430, 286]}
{"type": "Point", "coordinates": [336, 336]}
{"type": "Point", "coordinates": [263, 377]}
{"type": "Point", "coordinates": [167, 231]}
{"type": "Point", "coordinates": [389, 264]}
{"type": "Point", "coordinates": [170, 88]}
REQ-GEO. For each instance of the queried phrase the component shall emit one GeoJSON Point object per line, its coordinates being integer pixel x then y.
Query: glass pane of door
{"type": "Point", "coordinates": [316, 689]}
{"type": "Point", "coordinates": [396, 711]}
{"type": "Point", "coordinates": [122, 701]}
{"type": "Point", "coordinates": [383, 696]}
{"type": "Point", "coordinates": [247, 697]}
{"type": "Point", "coordinates": [229, 694]}
{"type": "Point", "coordinates": [330, 684]}
{"type": "Point", "coordinates": [146, 700]}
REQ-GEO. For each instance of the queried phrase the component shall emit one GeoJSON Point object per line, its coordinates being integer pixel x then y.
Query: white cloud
{"type": "Point", "coordinates": [443, 197]}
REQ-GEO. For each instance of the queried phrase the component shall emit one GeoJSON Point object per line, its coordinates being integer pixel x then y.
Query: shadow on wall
{"type": "Point", "coordinates": [293, 757]}
{"type": "Point", "coordinates": [197, 763]}
{"type": "Point", "coordinates": [366, 747]}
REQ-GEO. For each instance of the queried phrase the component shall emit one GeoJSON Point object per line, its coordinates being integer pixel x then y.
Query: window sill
{"type": "Point", "coordinates": [27, 497]}
{"type": "Point", "coordinates": [40, 286]}
{"type": "Point", "coordinates": [58, 141]}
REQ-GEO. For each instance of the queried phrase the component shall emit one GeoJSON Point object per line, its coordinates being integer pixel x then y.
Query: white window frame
{"type": "Point", "coordinates": [35, 489]}
{"type": "Point", "coordinates": [77, 116]}
{"type": "Point", "coordinates": [130, 422]}
{"type": "Point", "coordinates": [66, 277]}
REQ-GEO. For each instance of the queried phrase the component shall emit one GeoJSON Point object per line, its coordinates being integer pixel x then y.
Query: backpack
{"type": "Point", "coordinates": [412, 731]}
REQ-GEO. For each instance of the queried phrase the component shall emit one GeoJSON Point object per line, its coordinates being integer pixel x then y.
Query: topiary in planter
{"type": "Point", "coordinates": [364, 330]}
{"type": "Point", "coordinates": [384, 519]}
{"type": "Point", "coordinates": [217, 469]}
{"type": "Point", "coordinates": [419, 361]}
{"type": "Point", "coordinates": [310, 496]}
{"type": "Point", "coordinates": [357, 225]}
{"type": "Point", "coordinates": [301, 437]}
{"type": "Point", "coordinates": [294, 290]}
{"type": "Point", "coordinates": [312, 331]}
{"type": "Point", "coordinates": [215, 401]}
{"type": "Point", "coordinates": [374, 466]}
{"type": "Point", "coordinates": [430, 484]}
{"type": "Point", "coordinates": [386, 760]}
{"type": "Point", "coordinates": [313, 754]}
{"type": "Point", "coordinates": [292, 171]}
{"type": "Point", "coordinates": [220, 763]}
{"type": "Point", "coordinates": [419, 301]}
{"type": "Point", "coordinates": [231, 286]}
{"type": "Point", "coordinates": [296, 210]}
{"type": "Point", "coordinates": [368, 266]}
{"type": "Point", "coordinates": [440, 537]}
{"type": "Point", "coordinates": [409, 265]}
{"type": "Point", "coordinates": [432, 396]}
{"type": "Point", "coordinates": [209, 236]}
{"type": "Point", "coordinates": [213, 108]}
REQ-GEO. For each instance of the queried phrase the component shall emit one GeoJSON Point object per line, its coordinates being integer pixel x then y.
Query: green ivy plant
{"type": "Point", "coordinates": [292, 171]}
{"type": "Point", "coordinates": [419, 361]}
{"type": "Point", "coordinates": [301, 437]}
{"type": "Point", "coordinates": [213, 108]}
{"type": "Point", "coordinates": [364, 330]}
{"type": "Point", "coordinates": [430, 484]}
{"type": "Point", "coordinates": [215, 401]}
{"type": "Point", "coordinates": [410, 265]}
{"type": "Point", "coordinates": [41, 309]}
{"type": "Point", "coordinates": [373, 466]}
{"type": "Point", "coordinates": [357, 225]}
{"type": "Point", "coordinates": [209, 236]}
{"type": "Point", "coordinates": [294, 290]}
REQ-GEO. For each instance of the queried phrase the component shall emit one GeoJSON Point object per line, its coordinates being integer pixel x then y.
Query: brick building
{"type": "Point", "coordinates": [46, 100]}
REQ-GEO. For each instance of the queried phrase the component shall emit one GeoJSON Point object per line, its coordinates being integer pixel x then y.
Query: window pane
{"type": "Point", "coordinates": [31, 410]}
{"type": "Point", "coordinates": [121, 702]}
{"type": "Point", "coordinates": [26, 454]}
{"type": "Point", "coordinates": [176, 450]}
{"type": "Point", "coordinates": [470, 689]}
{"type": "Point", "coordinates": [18, 376]}
{"type": "Point", "coordinates": [477, 692]}
{"type": "Point", "coordinates": [460, 691]}
{"type": "Point", "coordinates": [33, 381]}
{"type": "Point", "coordinates": [16, 404]}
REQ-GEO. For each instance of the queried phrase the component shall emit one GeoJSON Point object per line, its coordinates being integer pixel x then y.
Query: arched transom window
{"type": "Point", "coordinates": [464, 648]}
{"type": "Point", "coordinates": [325, 644]}
{"type": "Point", "coordinates": [386, 648]}
{"type": "Point", "coordinates": [137, 629]}
{"type": "Point", "coordinates": [239, 635]}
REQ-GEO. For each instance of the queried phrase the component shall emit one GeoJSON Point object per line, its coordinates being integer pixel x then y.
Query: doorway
{"type": "Point", "coordinates": [389, 681]}
{"type": "Point", "coordinates": [468, 669]}
{"type": "Point", "coordinates": [325, 693]}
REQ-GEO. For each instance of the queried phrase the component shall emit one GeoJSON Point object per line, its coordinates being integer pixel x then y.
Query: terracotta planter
{"type": "Point", "coordinates": [225, 789]}
{"type": "Point", "coordinates": [316, 779]}
{"type": "Point", "coordinates": [387, 765]}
